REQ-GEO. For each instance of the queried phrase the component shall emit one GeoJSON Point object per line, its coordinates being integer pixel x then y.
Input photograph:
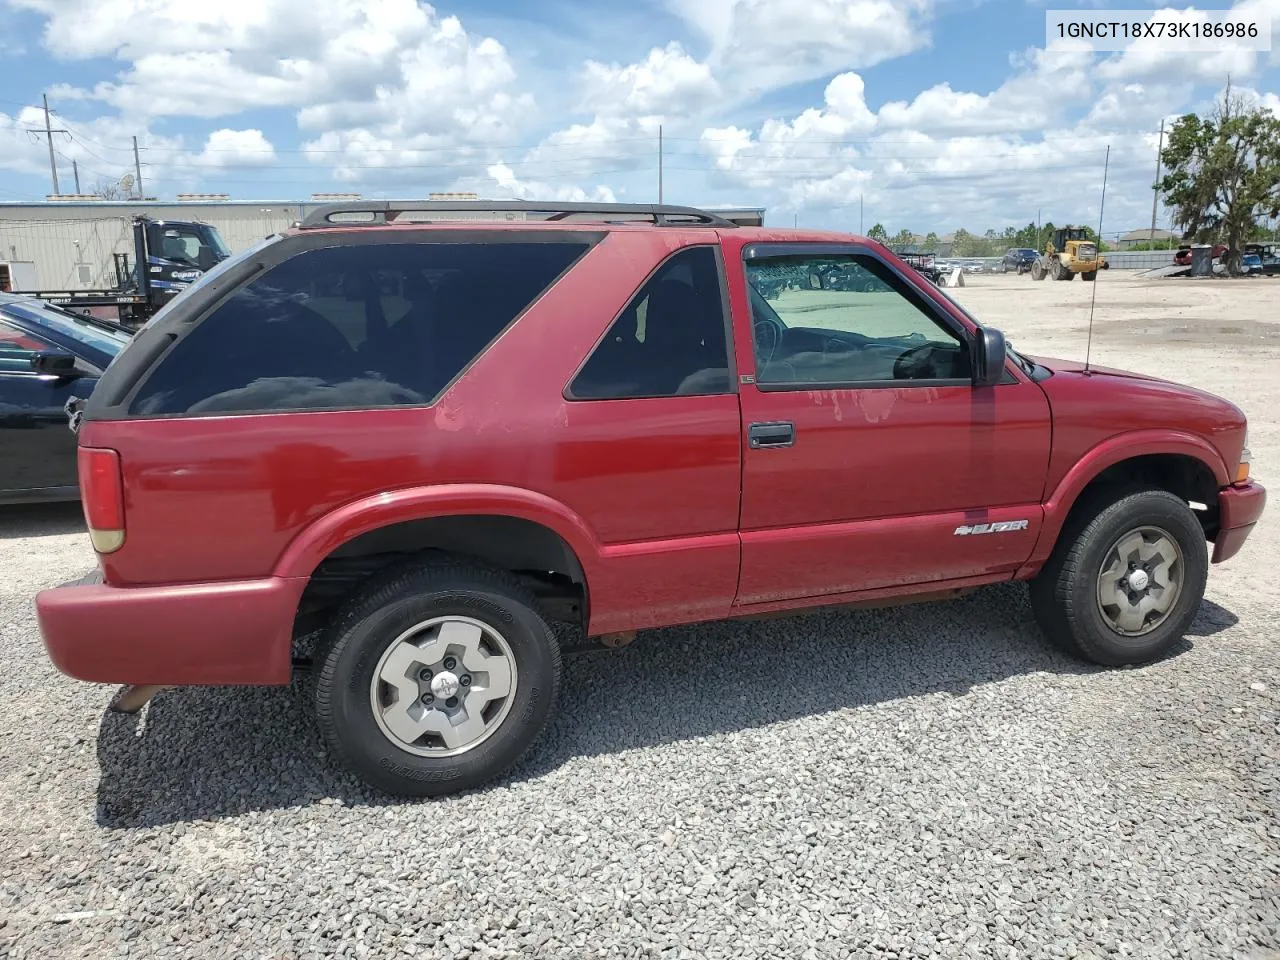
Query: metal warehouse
{"type": "Point", "coordinates": [71, 244]}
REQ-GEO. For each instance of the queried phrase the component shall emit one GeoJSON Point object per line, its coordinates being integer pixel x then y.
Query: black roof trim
{"type": "Point", "coordinates": [375, 213]}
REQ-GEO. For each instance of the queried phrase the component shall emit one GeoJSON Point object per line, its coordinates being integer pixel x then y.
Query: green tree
{"type": "Point", "coordinates": [1223, 173]}
{"type": "Point", "coordinates": [931, 242]}
{"type": "Point", "coordinates": [903, 238]}
{"type": "Point", "coordinates": [878, 233]}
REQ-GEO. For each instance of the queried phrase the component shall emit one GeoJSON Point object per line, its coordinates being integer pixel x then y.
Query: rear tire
{"type": "Point", "coordinates": [1088, 275]}
{"type": "Point", "coordinates": [1123, 584]}
{"type": "Point", "coordinates": [1037, 270]}
{"type": "Point", "coordinates": [410, 679]}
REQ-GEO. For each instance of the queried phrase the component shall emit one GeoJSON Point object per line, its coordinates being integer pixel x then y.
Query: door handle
{"type": "Point", "coordinates": [779, 434]}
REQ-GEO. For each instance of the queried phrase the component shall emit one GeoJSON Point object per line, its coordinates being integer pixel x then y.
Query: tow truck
{"type": "Point", "coordinates": [168, 255]}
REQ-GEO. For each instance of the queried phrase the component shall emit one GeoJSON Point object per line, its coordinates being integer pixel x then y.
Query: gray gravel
{"type": "Point", "coordinates": [916, 782]}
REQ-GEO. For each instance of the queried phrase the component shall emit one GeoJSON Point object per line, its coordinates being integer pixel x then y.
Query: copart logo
{"type": "Point", "coordinates": [1004, 526]}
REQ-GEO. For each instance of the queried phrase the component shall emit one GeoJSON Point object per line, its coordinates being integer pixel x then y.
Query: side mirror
{"type": "Point", "coordinates": [988, 357]}
{"type": "Point", "coordinates": [204, 259]}
{"type": "Point", "coordinates": [55, 363]}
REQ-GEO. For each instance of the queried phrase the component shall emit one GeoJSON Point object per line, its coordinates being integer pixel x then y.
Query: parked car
{"type": "Point", "coordinates": [1268, 256]}
{"type": "Point", "coordinates": [1183, 256]}
{"type": "Point", "coordinates": [347, 450]}
{"type": "Point", "coordinates": [48, 356]}
{"type": "Point", "coordinates": [1017, 259]}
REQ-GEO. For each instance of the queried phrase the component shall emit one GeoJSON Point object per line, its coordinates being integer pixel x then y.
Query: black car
{"type": "Point", "coordinates": [48, 356]}
{"type": "Point", "coordinates": [1017, 259]}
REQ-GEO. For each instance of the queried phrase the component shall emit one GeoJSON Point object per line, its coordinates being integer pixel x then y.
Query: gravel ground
{"type": "Point", "coordinates": [915, 782]}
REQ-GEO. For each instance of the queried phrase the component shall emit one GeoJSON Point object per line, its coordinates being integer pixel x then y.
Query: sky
{"type": "Point", "coordinates": [928, 115]}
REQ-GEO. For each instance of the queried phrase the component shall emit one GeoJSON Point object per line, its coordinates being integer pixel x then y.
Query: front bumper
{"type": "Point", "coordinates": [237, 632]}
{"type": "Point", "coordinates": [1239, 507]}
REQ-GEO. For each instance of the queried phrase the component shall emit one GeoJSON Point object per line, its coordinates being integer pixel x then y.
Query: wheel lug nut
{"type": "Point", "coordinates": [465, 679]}
{"type": "Point", "coordinates": [451, 702]}
{"type": "Point", "coordinates": [450, 663]}
{"type": "Point", "coordinates": [424, 675]}
{"type": "Point", "coordinates": [428, 699]}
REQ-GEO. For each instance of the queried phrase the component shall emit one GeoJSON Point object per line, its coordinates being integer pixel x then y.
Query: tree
{"type": "Point", "coordinates": [1223, 173]}
{"type": "Point", "coordinates": [107, 189]}
{"type": "Point", "coordinates": [878, 233]}
{"type": "Point", "coordinates": [903, 238]}
{"type": "Point", "coordinates": [1028, 236]}
{"type": "Point", "coordinates": [931, 242]}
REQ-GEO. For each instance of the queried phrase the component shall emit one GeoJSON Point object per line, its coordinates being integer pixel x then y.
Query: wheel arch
{"type": "Point", "coordinates": [508, 528]}
{"type": "Point", "coordinates": [1183, 464]}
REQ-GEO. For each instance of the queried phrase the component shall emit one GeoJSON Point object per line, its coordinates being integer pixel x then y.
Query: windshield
{"type": "Point", "coordinates": [83, 330]}
{"type": "Point", "coordinates": [192, 244]}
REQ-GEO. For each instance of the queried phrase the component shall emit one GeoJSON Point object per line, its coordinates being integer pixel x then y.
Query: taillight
{"type": "Point", "coordinates": [102, 495]}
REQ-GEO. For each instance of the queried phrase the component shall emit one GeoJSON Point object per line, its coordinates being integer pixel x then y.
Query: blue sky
{"type": "Point", "coordinates": [939, 113]}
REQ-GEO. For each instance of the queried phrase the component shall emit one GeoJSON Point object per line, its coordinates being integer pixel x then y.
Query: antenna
{"type": "Point", "coordinates": [1106, 164]}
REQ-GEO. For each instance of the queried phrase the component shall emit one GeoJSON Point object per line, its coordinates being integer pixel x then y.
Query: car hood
{"type": "Point", "coordinates": [1107, 401]}
{"type": "Point", "coordinates": [1059, 365]}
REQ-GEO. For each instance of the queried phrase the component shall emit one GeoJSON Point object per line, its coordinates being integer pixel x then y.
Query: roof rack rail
{"type": "Point", "coordinates": [372, 213]}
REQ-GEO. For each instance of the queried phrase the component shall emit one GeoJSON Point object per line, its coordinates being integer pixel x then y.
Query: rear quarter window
{"type": "Point", "coordinates": [358, 326]}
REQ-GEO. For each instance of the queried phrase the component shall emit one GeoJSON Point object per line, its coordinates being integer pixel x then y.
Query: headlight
{"type": "Point", "coordinates": [1242, 468]}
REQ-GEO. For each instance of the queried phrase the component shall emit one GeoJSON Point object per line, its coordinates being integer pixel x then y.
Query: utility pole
{"type": "Point", "coordinates": [75, 170]}
{"type": "Point", "coordinates": [1155, 187]}
{"type": "Point", "coordinates": [659, 163]}
{"type": "Point", "coordinates": [48, 134]}
{"type": "Point", "coordinates": [137, 168]}
{"type": "Point", "coordinates": [861, 233]}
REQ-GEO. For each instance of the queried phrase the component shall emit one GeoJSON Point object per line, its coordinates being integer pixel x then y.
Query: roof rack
{"type": "Point", "coordinates": [372, 213]}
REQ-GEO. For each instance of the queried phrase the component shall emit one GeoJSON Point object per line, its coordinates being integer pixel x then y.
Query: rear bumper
{"type": "Point", "coordinates": [1239, 507]}
{"type": "Point", "coordinates": [237, 632]}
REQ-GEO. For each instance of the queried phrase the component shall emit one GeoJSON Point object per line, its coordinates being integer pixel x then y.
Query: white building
{"type": "Point", "coordinates": [70, 244]}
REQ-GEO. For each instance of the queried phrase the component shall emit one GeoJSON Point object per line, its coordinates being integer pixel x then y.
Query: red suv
{"type": "Point", "coordinates": [421, 432]}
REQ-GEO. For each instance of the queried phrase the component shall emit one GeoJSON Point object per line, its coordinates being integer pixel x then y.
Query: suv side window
{"type": "Point", "coordinates": [845, 319]}
{"type": "Point", "coordinates": [354, 326]}
{"type": "Point", "coordinates": [670, 341]}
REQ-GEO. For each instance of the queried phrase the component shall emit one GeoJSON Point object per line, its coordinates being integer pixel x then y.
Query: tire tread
{"type": "Point", "coordinates": [402, 581]}
{"type": "Point", "coordinates": [1053, 600]}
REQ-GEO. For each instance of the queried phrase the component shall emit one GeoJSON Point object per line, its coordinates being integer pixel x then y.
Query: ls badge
{"type": "Point", "coordinates": [1004, 526]}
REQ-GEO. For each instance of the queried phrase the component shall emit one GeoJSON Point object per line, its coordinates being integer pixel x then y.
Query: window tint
{"type": "Point", "coordinates": [844, 319]}
{"type": "Point", "coordinates": [353, 326]}
{"type": "Point", "coordinates": [669, 341]}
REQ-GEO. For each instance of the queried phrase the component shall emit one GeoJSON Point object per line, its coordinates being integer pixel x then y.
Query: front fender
{"type": "Point", "coordinates": [322, 537]}
{"type": "Point", "coordinates": [1108, 453]}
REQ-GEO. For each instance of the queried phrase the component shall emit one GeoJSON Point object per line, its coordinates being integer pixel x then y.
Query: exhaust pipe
{"type": "Point", "coordinates": [134, 696]}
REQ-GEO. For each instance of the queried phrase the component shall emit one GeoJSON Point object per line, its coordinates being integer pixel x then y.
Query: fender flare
{"type": "Point", "coordinates": [1113, 450]}
{"type": "Point", "coordinates": [305, 552]}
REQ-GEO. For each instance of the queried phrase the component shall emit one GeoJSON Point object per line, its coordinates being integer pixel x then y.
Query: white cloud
{"type": "Point", "coordinates": [509, 185]}
{"type": "Point", "coordinates": [236, 148]}
{"type": "Point", "coordinates": [667, 81]}
{"type": "Point", "coordinates": [344, 64]}
{"type": "Point", "coordinates": [764, 44]}
{"type": "Point", "coordinates": [1050, 83]}
{"type": "Point", "coordinates": [96, 145]}
{"type": "Point", "coordinates": [954, 157]}
{"type": "Point", "coordinates": [1150, 59]}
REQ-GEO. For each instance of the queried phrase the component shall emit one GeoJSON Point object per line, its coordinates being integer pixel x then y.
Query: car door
{"type": "Point", "coordinates": [37, 448]}
{"type": "Point", "coordinates": [871, 460]}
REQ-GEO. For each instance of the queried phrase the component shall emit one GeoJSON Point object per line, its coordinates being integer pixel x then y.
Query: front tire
{"type": "Point", "coordinates": [435, 678]}
{"type": "Point", "coordinates": [1122, 586]}
{"type": "Point", "coordinates": [1089, 275]}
